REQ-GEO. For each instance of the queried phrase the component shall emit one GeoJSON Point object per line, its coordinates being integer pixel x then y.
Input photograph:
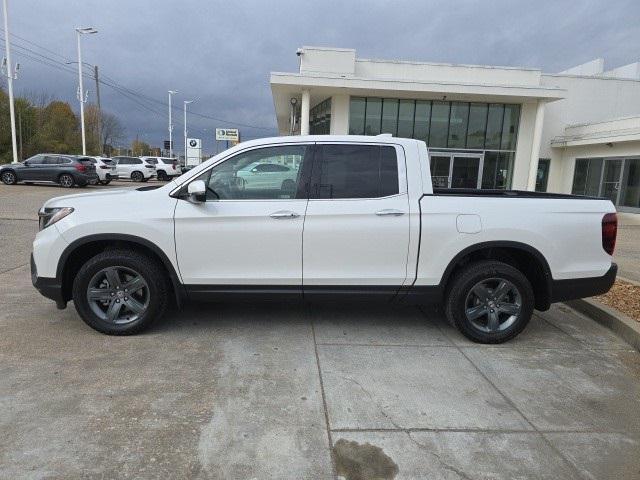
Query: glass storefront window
{"type": "Point", "coordinates": [542, 176]}
{"type": "Point", "coordinates": [320, 118]}
{"type": "Point", "coordinates": [405, 118]}
{"type": "Point", "coordinates": [458, 125]}
{"type": "Point", "coordinates": [510, 127]}
{"type": "Point", "coordinates": [439, 131]}
{"type": "Point", "coordinates": [389, 116]}
{"type": "Point", "coordinates": [630, 191]}
{"type": "Point", "coordinates": [422, 120]}
{"type": "Point", "coordinates": [477, 125]}
{"type": "Point", "coordinates": [373, 116]}
{"type": "Point", "coordinates": [494, 126]}
{"type": "Point", "coordinates": [497, 170]}
{"type": "Point", "coordinates": [356, 115]}
{"type": "Point", "coordinates": [586, 177]}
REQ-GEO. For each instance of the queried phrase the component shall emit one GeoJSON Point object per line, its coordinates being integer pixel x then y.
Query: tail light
{"type": "Point", "coordinates": [609, 232]}
{"type": "Point", "coordinates": [149, 166]}
{"type": "Point", "coordinates": [175, 164]}
{"type": "Point", "coordinates": [80, 167]}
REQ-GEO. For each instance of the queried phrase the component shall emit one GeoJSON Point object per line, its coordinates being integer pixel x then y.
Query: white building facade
{"type": "Point", "coordinates": [577, 131]}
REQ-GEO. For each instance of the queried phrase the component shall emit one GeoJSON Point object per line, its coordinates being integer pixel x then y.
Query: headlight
{"type": "Point", "coordinates": [49, 216]}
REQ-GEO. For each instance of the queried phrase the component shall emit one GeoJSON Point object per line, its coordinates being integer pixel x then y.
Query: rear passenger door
{"type": "Point", "coordinates": [356, 230]}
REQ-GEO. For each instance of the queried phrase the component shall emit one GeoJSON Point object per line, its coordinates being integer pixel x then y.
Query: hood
{"type": "Point", "coordinates": [69, 200]}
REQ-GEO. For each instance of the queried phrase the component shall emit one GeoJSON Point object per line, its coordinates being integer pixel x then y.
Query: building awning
{"type": "Point", "coordinates": [285, 86]}
{"type": "Point", "coordinates": [599, 133]}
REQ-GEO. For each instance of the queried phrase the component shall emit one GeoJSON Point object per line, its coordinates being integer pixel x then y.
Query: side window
{"type": "Point", "coordinates": [136, 161]}
{"type": "Point", "coordinates": [356, 171]}
{"type": "Point", "coordinates": [50, 161]}
{"type": "Point", "coordinates": [244, 176]}
{"type": "Point", "coordinates": [36, 160]}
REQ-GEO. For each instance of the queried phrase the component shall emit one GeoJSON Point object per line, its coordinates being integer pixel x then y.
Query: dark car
{"type": "Point", "coordinates": [65, 170]}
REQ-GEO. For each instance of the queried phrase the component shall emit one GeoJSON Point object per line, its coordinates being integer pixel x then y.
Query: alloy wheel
{"type": "Point", "coordinates": [8, 178]}
{"type": "Point", "coordinates": [118, 295]}
{"type": "Point", "coordinates": [493, 305]}
{"type": "Point", "coordinates": [66, 181]}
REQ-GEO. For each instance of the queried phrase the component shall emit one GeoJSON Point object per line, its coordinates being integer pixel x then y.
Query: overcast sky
{"type": "Point", "coordinates": [220, 53]}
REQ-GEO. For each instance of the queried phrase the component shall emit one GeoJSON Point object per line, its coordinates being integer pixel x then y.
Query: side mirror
{"type": "Point", "coordinates": [254, 169]}
{"type": "Point", "coordinates": [26, 164]}
{"type": "Point", "coordinates": [197, 191]}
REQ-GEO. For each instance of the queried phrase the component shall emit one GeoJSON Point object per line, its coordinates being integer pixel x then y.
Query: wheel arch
{"type": "Point", "coordinates": [79, 251]}
{"type": "Point", "coordinates": [525, 258]}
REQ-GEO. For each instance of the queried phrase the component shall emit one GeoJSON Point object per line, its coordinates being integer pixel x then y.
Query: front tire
{"type": "Point", "coordinates": [9, 178]}
{"type": "Point", "coordinates": [120, 292]}
{"type": "Point", "coordinates": [489, 302]}
{"type": "Point", "coordinates": [66, 180]}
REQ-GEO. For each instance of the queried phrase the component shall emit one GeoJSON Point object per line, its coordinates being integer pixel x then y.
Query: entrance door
{"type": "Point", "coordinates": [456, 170]}
{"type": "Point", "coordinates": [465, 172]}
{"type": "Point", "coordinates": [611, 180]}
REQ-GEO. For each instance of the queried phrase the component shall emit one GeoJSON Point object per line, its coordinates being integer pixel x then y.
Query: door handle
{"type": "Point", "coordinates": [283, 214]}
{"type": "Point", "coordinates": [389, 212]}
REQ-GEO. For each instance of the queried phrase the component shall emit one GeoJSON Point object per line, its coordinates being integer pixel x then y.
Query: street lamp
{"type": "Point", "coordinates": [186, 102]}
{"type": "Point", "coordinates": [171, 92]}
{"type": "Point", "coordinates": [11, 76]}
{"type": "Point", "coordinates": [81, 94]}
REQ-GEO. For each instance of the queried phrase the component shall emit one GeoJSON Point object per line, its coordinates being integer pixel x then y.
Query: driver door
{"type": "Point", "coordinates": [243, 236]}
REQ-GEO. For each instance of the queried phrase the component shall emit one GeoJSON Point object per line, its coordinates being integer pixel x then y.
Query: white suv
{"type": "Point", "coordinates": [134, 168]}
{"type": "Point", "coordinates": [105, 168]}
{"type": "Point", "coordinates": [166, 168]}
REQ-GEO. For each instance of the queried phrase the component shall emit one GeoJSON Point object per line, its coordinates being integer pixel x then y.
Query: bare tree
{"type": "Point", "coordinates": [112, 130]}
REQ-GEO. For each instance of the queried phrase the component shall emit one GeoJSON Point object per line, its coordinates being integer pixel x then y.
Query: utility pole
{"type": "Point", "coordinates": [81, 93]}
{"type": "Point", "coordinates": [11, 75]}
{"type": "Point", "coordinates": [171, 92]}
{"type": "Point", "coordinates": [20, 132]}
{"type": "Point", "coordinates": [186, 102]}
{"type": "Point", "coordinates": [99, 119]}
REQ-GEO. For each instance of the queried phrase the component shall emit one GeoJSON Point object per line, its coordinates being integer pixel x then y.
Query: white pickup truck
{"type": "Point", "coordinates": [359, 219]}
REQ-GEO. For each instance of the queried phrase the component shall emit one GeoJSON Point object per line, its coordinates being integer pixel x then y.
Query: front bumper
{"type": "Point", "coordinates": [574, 288]}
{"type": "Point", "coordinates": [48, 287]}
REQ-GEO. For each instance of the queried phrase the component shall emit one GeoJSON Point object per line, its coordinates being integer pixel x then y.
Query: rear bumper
{"type": "Point", "coordinates": [112, 176]}
{"type": "Point", "coordinates": [575, 288]}
{"type": "Point", "coordinates": [48, 287]}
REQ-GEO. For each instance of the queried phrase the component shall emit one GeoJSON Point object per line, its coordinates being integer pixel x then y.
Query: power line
{"type": "Point", "coordinates": [127, 92]}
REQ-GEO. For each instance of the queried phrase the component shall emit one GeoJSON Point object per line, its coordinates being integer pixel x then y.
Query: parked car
{"type": "Point", "coordinates": [166, 168]}
{"type": "Point", "coordinates": [105, 168]}
{"type": "Point", "coordinates": [258, 175]}
{"type": "Point", "coordinates": [371, 223]}
{"type": "Point", "coordinates": [134, 168]}
{"type": "Point", "coordinates": [65, 170]}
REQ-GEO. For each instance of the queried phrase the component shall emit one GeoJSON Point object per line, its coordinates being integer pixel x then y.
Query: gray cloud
{"type": "Point", "coordinates": [221, 53]}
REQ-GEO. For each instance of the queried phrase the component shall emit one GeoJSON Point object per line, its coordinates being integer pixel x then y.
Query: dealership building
{"type": "Point", "coordinates": [577, 131]}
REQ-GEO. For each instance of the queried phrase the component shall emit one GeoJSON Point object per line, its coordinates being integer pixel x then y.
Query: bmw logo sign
{"type": "Point", "coordinates": [193, 143]}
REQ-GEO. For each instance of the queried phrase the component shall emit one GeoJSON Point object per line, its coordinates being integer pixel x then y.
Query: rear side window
{"type": "Point", "coordinates": [356, 171]}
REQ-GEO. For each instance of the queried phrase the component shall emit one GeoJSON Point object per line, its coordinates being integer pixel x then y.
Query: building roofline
{"type": "Point", "coordinates": [311, 80]}
{"type": "Point", "coordinates": [616, 119]}
{"type": "Point", "coordinates": [439, 64]}
{"type": "Point", "coordinates": [590, 77]}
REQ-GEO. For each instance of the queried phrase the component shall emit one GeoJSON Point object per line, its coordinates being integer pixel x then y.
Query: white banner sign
{"type": "Point", "coordinates": [230, 134]}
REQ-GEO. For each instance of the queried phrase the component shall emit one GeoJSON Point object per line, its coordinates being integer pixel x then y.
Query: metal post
{"type": "Point", "coordinates": [99, 120]}
{"type": "Point", "coordinates": [186, 102]}
{"type": "Point", "coordinates": [171, 92]}
{"type": "Point", "coordinates": [10, 77]}
{"type": "Point", "coordinates": [81, 95]}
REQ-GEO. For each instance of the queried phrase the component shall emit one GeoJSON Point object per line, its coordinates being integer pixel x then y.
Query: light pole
{"type": "Point", "coordinates": [186, 102]}
{"type": "Point", "coordinates": [11, 75]}
{"type": "Point", "coordinates": [171, 93]}
{"type": "Point", "coordinates": [81, 95]}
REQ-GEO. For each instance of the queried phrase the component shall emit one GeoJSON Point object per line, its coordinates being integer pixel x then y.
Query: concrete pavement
{"type": "Point", "coordinates": [291, 391]}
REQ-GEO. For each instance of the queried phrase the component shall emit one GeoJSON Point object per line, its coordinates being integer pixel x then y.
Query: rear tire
{"type": "Point", "coordinates": [489, 302]}
{"type": "Point", "coordinates": [162, 176]}
{"type": "Point", "coordinates": [66, 180]}
{"type": "Point", "coordinates": [136, 309]}
{"type": "Point", "coordinates": [9, 177]}
{"type": "Point", "coordinates": [105, 182]}
{"type": "Point", "coordinates": [137, 177]}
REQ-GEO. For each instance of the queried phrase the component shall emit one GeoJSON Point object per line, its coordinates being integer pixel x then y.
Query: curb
{"type": "Point", "coordinates": [625, 327]}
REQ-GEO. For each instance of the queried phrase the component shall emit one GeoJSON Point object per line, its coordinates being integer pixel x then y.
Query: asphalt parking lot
{"type": "Point", "coordinates": [302, 392]}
